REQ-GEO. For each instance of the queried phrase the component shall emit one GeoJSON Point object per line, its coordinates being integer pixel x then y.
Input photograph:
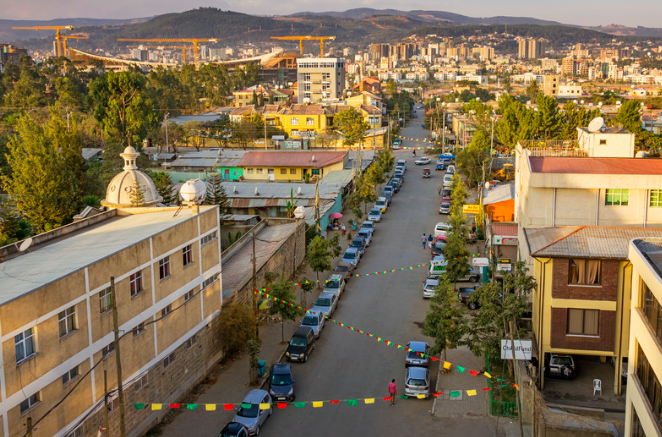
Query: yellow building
{"type": "Point", "coordinates": [643, 401]}
{"type": "Point", "coordinates": [304, 121]}
{"type": "Point", "coordinates": [291, 165]}
{"type": "Point", "coordinates": [56, 307]}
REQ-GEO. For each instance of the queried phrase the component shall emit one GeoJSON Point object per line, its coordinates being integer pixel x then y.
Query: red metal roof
{"type": "Point", "coordinates": [290, 159]}
{"type": "Point", "coordinates": [508, 229]}
{"type": "Point", "coordinates": [634, 166]}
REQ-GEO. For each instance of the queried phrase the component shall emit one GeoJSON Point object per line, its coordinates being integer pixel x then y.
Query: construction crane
{"type": "Point", "coordinates": [307, 37]}
{"type": "Point", "coordinates": [57, 29]}
{"type": "Point", "coordinates": [66, 37]}
{"type": "Point", "coordinates": [195, 42]}
{"type": "Point", "coordinates": [182, 48]}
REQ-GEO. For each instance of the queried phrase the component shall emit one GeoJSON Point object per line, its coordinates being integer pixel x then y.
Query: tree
{"type": "Point", "coordinates": [306, 287]}
{"type": "Point", "coordinates": [455, 250]}
{"type": "Point", "coordinates": [375, 175]}
{"type": "Point", "coordinates": [193, 134]}
{"type": "Point", "coordinates": [253, 353]}
{"type": "Point", "coordinates": [282, 293]}
{"type": "Point", "coordinates": [291, 204]}
{"type": "Point", "coordinates": [352, 125]}
{"type": "Point", "coordinates": [164, 186]}
{"type": "Point", "coordinates": [444, 321]}
{"type": "Point", "coordinates": [318, 256]}
{"type": "Point", "coordinates": [533, 90]}
{"type": "Point", "coordinates": [137, 195]}
{"type": "Point", "coordinates": [365, 191]}
{"type": "Point", "coordinates": [474, 159]}
{"type": "Point", "coordinates": [236, 327]}
{"type": "Point", "coordinates": [629, 116]}
{"type": "Point", "coordinates": [216, 194]}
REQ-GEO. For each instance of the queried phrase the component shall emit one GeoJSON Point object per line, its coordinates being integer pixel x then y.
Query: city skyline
{"type": "Point", "coordinates": [586, 13]}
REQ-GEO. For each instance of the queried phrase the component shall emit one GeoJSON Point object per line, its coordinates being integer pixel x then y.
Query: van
{"type": "Point", "coordinates": [448, 180]}
{"type": "Point", "coordinates": [437, 268]}
{"type": "Point", "coordinates": [301, 344]}
{"type": "Point", "coordinates": [402, 163]}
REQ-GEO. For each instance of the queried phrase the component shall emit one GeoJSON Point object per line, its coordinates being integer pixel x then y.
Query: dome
{"type": "Point", "coordinates": [118, 193]}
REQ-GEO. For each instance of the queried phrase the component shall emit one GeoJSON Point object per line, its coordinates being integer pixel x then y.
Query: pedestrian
{"type": "Point", "coordinates": [392, 391]}
{"type": "Point", "coordinates": [473, 229]}
{"type": "Point", "coordinates": [440, 191]}
{"type": "Point", "coordinates": [343, 229]}
{"type": "Point", "coordinates": [424, 239]}
{"type": "Point", "coordinates": [430, 240]}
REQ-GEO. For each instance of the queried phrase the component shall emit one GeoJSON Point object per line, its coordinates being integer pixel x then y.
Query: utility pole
{"type": "Point", "coordinates": [166, 126]}
{"type": "Point", "coordinates": [374, 136]}
{"type": "Point", "coordinates": [515, 373]}
{"type": "Point", "coordinates": [105, 402]}
{"type": "Point", "coordinates": [118, 360]}
{"type": "Point", "coordinates": [257, 325]}
{"type": "Point", "coordinates": [29, 425]}
{"type": "Point", "coordinates": [264, 113]}
{"type": "Point", "coordinates": [317, 208]}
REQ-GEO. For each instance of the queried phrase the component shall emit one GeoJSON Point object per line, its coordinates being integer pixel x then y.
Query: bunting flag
{"type": "Point", "coordinates": [303, 404]}
{"type": "Point", "coordinates": [423, 140]}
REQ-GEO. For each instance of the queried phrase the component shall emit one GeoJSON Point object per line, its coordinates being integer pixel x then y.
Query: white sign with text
{"type": "Point", "coordinates": [523, 350]}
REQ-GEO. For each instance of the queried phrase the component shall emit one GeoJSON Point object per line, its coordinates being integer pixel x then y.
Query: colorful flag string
{"type": "Point", "coordinates": [422, 140]}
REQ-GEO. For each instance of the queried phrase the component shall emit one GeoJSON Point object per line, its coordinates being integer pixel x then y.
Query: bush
{"type": "Point", "coordinates": [236, 327]}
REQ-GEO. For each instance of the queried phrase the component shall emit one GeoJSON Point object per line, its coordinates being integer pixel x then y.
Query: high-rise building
{"type": "Point", "coordinates": [379, 51]}
{"type": "Point", "coordinates": [531, 48]}
{"type": "Point", "coordinates": [320, 78]}
{"type": "Point", "coordinates": [568, 66]}
{"type": "Point", "coordinates": [522, 49]}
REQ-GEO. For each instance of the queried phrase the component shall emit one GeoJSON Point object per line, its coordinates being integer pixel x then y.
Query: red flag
{"type": "Point", "coordinates": [333, 402]}
{"type": "Point", "coordinates": [487, 389]}
{"type": "Point", "coordinates": [228, 407]}
{"type": "Point", "coordinates": [175, 405]}
{"type": "Point", "coordinates": [473, 372]}
{"type": "Point", "coordinates": [437, 394]}
{"type": "Point", "coordinates": [282, 405]}
{"type": "Point", "coordinates": [387, 399]}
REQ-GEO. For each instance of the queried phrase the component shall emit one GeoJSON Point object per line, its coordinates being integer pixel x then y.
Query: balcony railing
{"type": "Point", "coordinates": [553, 148]}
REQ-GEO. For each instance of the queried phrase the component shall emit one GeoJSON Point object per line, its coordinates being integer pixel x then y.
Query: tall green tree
{"type": "Point", "coordinates": [164, 186]}
{"type": "Point", "coordinates": [444, 321]}
{"type": "Point", "coordinates": [629, 116]}
{"type": "Point", "coordinates": [532, 90]}
{"type": "Point", "coordinates": [137, 195]}
{"type": "Point", "coordinates": [352, 125]}
{"type": "Point", "coordinates": [318, 256]}
{"type": "Point", "coordinates": [216, 194]}
{"type": "Point", "coordinates": [283, 292]}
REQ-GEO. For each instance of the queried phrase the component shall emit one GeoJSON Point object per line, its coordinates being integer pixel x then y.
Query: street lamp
{"type": "Point", "coordinates": [165, 118]}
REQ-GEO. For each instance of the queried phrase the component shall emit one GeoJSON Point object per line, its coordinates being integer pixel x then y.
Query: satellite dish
{"type": "Point", "coordinates": [25, 244]}
{"type": "Point", "coordinates": [596, 124]}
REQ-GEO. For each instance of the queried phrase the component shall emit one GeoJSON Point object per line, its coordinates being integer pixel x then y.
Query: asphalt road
{"type": "Point", "coordinates": [347, 365]}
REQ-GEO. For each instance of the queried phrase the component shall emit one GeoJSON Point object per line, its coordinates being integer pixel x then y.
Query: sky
{"type": "Point", "coordinates": [632, 13]}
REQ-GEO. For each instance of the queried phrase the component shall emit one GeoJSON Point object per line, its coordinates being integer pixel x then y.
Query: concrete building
{"type": "Point", "coordinates": [530, 48]}
{"type": "Point", "coordinates": [320, 78]}
{"type": "Point", "coordinates": [293, 165]}
{"type": "Point", "coordinates": [570, 91]}
{"type": "Point", "coordinates": [550, 85]}
{"type": "Point", "coordinates": [643, 402]}
{"type": "Point", "coordinates": [610, 142]}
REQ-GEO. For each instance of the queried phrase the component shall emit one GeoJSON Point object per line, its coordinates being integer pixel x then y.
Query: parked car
{"type": "Point", "coordinates": [352, 255]}
{"type": "Point", "coordinates": [447, 155]}
{"type": "Point", "coordinates": [395, 185]}
{"type": "Point", "coordinates": [472, 276]}
{"type": "Point", "coordinates": [388, 195]}
{"type": "Point", "coordinates": [438, 246]}
{"type": "Point", "coordinates": [448, 180]}
{"type": "Point", "coordinates": [560, 366]}
{"type": "Point", "coordinates": [388, 189]}
{"type": "Point", "coordinates": [464, 293]}
{"type": "Point", "coordinates": [437, 268]}
{"type": "Point", "coordinates": [417, 381]}
{"type": "Point", "coordinates": [281, 382]}
{"type": "Point", "coordinates": [399, 180]}
{"type": "Point", "coordinates": [314, 321]}
{"type": "Point", "coordinates": [366, 234]}
{"type": "Point", "coordinates": [375, 215]}
{"type": "Point", "coordinates": [450, 169]}
{"type": "Point", "coordinates": [346, 269]}
{"type": "Point", "coordinates": [381, 203]}
{"type": "Point", "coordinates": [440, 165]}
{"type": "Point", "coordinates": [359, 243]}
{"type": "Point", "coordinates": [234, 429]}
{"type": "Point", "coordinates": [441, 228]}
{"type": "Point", "coordinates": [335, 284]}
{"type": "Point", "coordinates": [445, 208]}
{"type": "Point", "coordinates": [446, 192]}
{"type": "Point", "coordinates": [370, 225]}
{"type": "Point", "coordinates": [253, 417]}
{"type": "Point", "coordinates": [429, 287]}
{"type": "Point", "coordinates": [413, 355]}
{"type": "Point", "coordinates": [402, 163]}
{"type": "Point", "coordinates": [325, 304]}
{"type": "Point", "coordinates": [399, 173]}
{"type": "Point", "coordinates": [302, 342]}
{"type": "Point", "coordinates": [423, 160]}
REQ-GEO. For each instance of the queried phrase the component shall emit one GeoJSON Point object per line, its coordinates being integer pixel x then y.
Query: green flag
{"type": "Point", "coordinates": [352, 402]}
{"type": "Point", "coordinates": [455, 394]}
{"type": "Point", "coordinates": [300, 404]}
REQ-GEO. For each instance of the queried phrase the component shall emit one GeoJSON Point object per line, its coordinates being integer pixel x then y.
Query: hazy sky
{"type": "Point", "coordinates": [584, 12]}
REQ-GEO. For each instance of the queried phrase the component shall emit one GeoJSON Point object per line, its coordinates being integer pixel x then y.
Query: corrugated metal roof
{"type": "Point", "coordinates": [606, 242]}
{"type": "Point", "coordinates": [198, 162]}
{"type": "Point", "coordinates": [291, 159]}
{"type": "Point", "coordinates": [280, 190]}
{"type": "Point", "coordinates": [577, 165]}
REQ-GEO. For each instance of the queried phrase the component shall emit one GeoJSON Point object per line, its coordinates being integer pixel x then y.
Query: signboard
{"type": "Point", "coordinates": [505, 240]}
{"type": "Point", "coordinates": [480, 262]}
{"type": "Point", "coordinates": [278, 137]}
{"type": "Point", "coordinates": [471, 209]}
{"type": "Point", "coordinates": [503, 260]}
{"type": "Point", "coordinates": [504, 267]}
{"type": "Point", "coordinates": [292, 144]}
{"type": "Point", "coordinates": [523, 349]}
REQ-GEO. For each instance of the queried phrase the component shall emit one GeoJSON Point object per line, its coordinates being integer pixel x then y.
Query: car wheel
{"type": "Point", "coordinates": [271, 410]}
{"type": "Point", "coordinates": [305, 359]}
{"type": "Point", "coordinates": [472, 305]}
{"type": "Point", "coordinates": [473, 279]}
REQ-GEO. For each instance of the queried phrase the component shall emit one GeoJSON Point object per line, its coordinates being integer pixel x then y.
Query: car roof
{"type": "Point", "coordinates": [325, 294]}
{"type": "Point", "coordinates": [417, 346]}
{"type": "Point", "coordinates": [417, 372]}
{"type": "Point", "coordinates": [367, 222]}
{"type": "Point", "coordinates": [256, 395]}
{"type": "Point", "coordinates": [375, 210]}
{"type": "Point", "coordinates": [351, 249]}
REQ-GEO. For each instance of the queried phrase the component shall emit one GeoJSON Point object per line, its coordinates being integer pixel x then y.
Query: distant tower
{"type": "Point", "coordinates": [118, 193]}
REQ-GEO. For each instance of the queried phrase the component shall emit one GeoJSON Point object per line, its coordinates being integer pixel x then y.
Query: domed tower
{"type": "Point", "coordinates": [118, 193]}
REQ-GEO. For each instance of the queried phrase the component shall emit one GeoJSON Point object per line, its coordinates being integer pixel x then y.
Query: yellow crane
{"type": "Point", "coordinates": [58, 35]}
{"type": "Point", "coordinates": [195, 42]}
{"type": "Point", "coordinates": [182, 48]}
{"type": "Point", "coordinates": [66, 37]}
{"type": "Point", "coordinates": [306, 37]}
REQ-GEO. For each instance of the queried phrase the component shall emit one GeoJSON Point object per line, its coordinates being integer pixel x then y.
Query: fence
{"type": "Point", "coordinates": [499, 408]}
{"type": "Point", "coordinates": [553, 148]}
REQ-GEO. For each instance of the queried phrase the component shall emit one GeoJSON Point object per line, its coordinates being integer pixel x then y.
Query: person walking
{"type": "Point", "coordinates": [430, 241]}
{"type": "Point", "coordinates": [440, 191]}
{"type": "Point", "coordinates": [343, 229]}
{"type": "Point", "coordinates": [392, 391]}
{"type": "Point", "coordinates": [424, 240]}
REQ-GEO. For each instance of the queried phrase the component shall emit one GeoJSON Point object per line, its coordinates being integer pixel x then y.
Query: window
{"type": "Point", "coordinates": [617, 197]}
{"type": "Point", "coordinates": [585, 272]}
{"type": "Point", "coordinates": [189, 295]}
{"type": "Point", "coordinates": [139, 329]}
{"type": "Point", "coordinates": [270, 171]}
{"type": "Point", "coordinates": [191, 341]}
{"type": "Point", "coordinates": [136, 282]}
{"type": "Point", "coordinates": [258, 170]}
{"type": "Point", "coordinates": [656, 198]}
{"type": "Point", "coordinates": [168, 360]}
{"type": "Point", "coordinates": [583, 322]}
{"type": "Point", "coordinates": [140, 383]}
{"type": "Point", "coordinates": [167, 310]}
{"type": "Point", "coordinates": [67, 321]}
{"type": "Point", "coordinates": [107, 350]}
{"type": "Point", "coordinates": [310, 121]}
{"type": "Point", "coordinates": [207, 282]}
{"type": "Point", "coordinates": [208, 238]}
{"type": "Point", "coordinates": [652, 311]}
{"type": "Point", "coordinates": [78, 432]}
{"type": "Point", "coordinates": [249, 171]}
{"type": "Point", "coordinates": [187, 255]}
{"type": "Point", "coordinates": [650, 383]}
{"type": "Point", "coordinates": [71, 374]}
{"type": "Point", "coordinates": [105, 300]}
{"type": "Point", "coordinates": [30, 402]}
{"type": "Point", "coordinates": [283, 171]}
{"type": "Point", "coordinates": [603, 142]}
{"type": "Point", "coordinates": [164, 268]}
{"type": "Point", "coordinates": [293, 171]}
{"type": "Point", "coordinates": [294, 121]}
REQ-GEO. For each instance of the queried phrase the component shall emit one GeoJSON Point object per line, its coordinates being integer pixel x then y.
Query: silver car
{"type": "Point", "coordinates": [365, 233]}
{"type": "Point", "coordinates": [352, 255]}
{"type": "Point", "coordinates": [249, 414]}
{"type": "Point", "coordinates": [314, 321]}
{"type": "Point", "coordinates": [325, 304]}
{"type": "Point", "coordinates": [413, 355]}
{"type": "Point", "coordinates": [335, 284]}
{"type": "Point", "coordinates": [430, 287]}
{"type": "Point", "coordinates": [375, 215]}
{"type": "Point", "coordinates": [417, 381]}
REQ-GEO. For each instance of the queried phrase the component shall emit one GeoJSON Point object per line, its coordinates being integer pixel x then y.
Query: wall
{"type": "Point", "coordinates": [501, 211]}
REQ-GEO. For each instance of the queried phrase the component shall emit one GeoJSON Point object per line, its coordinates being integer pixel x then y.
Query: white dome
{"type": "Point", "coordinates": [118, 193]}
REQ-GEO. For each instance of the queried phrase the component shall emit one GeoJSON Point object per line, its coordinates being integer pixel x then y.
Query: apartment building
{"type": "Point", "coordinates": [162, 271]}
{"type": "Point", "coordinates": [643, 402]}
{"type": "Point", "coordinates": [290, 165]}
{"type": "Point", "coordinates": [550, 85]}
{"type": "Point", "coordinates": [530, 48]}
{"type": "Point", "coordinates": [320, 78]}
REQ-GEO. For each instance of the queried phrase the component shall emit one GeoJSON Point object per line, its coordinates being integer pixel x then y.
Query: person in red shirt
{"type": "Point", "coordinates": [392, 391]}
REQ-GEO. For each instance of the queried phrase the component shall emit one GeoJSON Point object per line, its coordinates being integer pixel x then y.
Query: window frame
{"type": "Point", "coordinates": [293, 171]}
{"type": "Point", "coordinates": [24, 341]}
{"type": "Point", "coordinates": [67, 319]}
{"type": "Point", "coordinates": [584, 321]}
{"type": "Point", "coordinates": [168, 360]}
{"type": "Point", "coordinates": [208, 238]}
{"type": "Point", "coordinates": [108, 350]}
{"type": "Point", "coordinates": [141, 382]}
{"type": "Point", "coordinates": [187, 255]}
{"type": "Point", "coordinates": [32, 401]}
{"type": "Point", "coordinates": [139, 329]}
{"type": "Point", "coordinates": [189, 295]}
{"type": "Point", "coordinates": [106, 294]}
{"type": "Point", "coordinates": [136, 282]}
{"type": "Point", "coordinates": [166, 310]}
{"type": "Point", "coordinates": [68, 377]}
{"type": "Point", "coordinates": [617, 193]}
{"type": "Point", "coordinates": [164, 268]}
{"type": "Point", "coordinates": [294, 121]}
{"type": "Point", "coordinates": [283, 171]}
{"type": "Point", "coordinates": [655, 199]}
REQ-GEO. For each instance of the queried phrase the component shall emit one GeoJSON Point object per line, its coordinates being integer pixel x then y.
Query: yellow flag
{"type": "Point", "coordinates": [420, 396]}
{"type": "Point", "coordinates": [370, 400]}
{"type": "Point", "coordinates": [156, 407]}
{"type": "Point", "coordinates": [210, 407]}
{"type": "Point", "coordinates": [471, 392]}
{"type": "Point", "coordinates": [487, 375]}
{"type": "Point", "coordinates": [317, 404]}
{"type": "Point", "coordinates": [265, 406]}
{"type": "Point", "coordinates": [447, 365]}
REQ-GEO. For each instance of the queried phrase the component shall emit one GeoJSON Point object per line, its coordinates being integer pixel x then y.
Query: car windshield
{"type": "Point", "coordinates": [333, 284]}
{"type": "Point", "coordinates": [413, 354]}
{"type": "Point", "coordinates": [248, 412]}
{"type": "Point", "coordinates": [323, 302]}
{"type": "Point", "coordinates": [563, 361]}
{"type": "Point", "coordinates": [298, 341]}
{"type": "Point", "coordinates": [350, 255]}
{"type": "Point", "coordinates": [416, 382]}
{"type": "Point", "coordinates": [356, 243]}
{"type": "Point", "coordinates": [281, 379]}
{"type": "Point", "coordinates": [366, 225]}
{"type": "Point", "coordinates": [374, 212]}
{"type": "Point", "coordinates": [310, 321]}
{"type": "Point", "coordinates": [342, 269]}
{"type": "Point", "coordinates": [364, 234]}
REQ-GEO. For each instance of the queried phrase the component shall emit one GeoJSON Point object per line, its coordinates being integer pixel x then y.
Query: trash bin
{"type": "Point", "coordinates": [260, 367]}
{"type": "Point", "coordinates": [354, 226]}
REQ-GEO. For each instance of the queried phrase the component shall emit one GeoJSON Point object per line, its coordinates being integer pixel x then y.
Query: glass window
{"type": "Point", "coordinates": [71, 374]}
{"type": "Point", "coordinates": [294, 121]}
{"type": "Point", "coordinates": [283, 171]}
{"type": "Point", "coordinates": [136, 283]}
{"type": "Point", "coordinates": [258, 170]}
{"type": "Point", "coordinates": [168, 360]}
{"type": "Point", "coordinates": [187, 255]}
{"type": "Point", "coordinates": [67, 321]}
{"type": "Point", "coordinates": [270, 171]}
{"type": "Point", "coordinates": [164, 267]}
{"type": "Point", "coordinates": [584, 272]}
{"type": "Point", "coordinates": [140, 383]}
{"type": "Point", "coordinates": [105, 300]}
{"type": "Point", "coordinates": [249, 171]}
{"type": "Point", "coordinates": [656, 198]}
{"type": "Point", "coordinates": [617, 197]}
{"type": "Point", "coordinates": [167, 310]}
{"type": "Point", "coordinates": [208, 238]}
{"type": "Point", "coordinates": [583, 322]}
{"type": "Point", "coordinates": [107, 350]}
{"type": "Point", "coordinates": [189, 295]}
{"type": "Point", "coordinates": [652, 311]}
{"type": "Point", "coordinates": [207, 282]}
{"type": "Point", "coordinates": [25, 345]}
{"type": "Point", "coordinates": [139, 329]}
{"type": "Point", "coordinates": [30, 402]}
{"type": "Point", "coordinates": [293, 171]}
{"type": "Point", "coordinates": [650, 384]}
{"type": "Point", "coordinates": [310, 121]}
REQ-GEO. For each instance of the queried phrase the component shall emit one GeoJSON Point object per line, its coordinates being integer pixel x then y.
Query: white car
{"type": "Point", "coordinates": [448, 180]}
{"type": "Point", "coordinates": [429, 288]}
{"type": "Point", "coordinates": [441, 228]}
{"type": "Point", "coordinates": [352, 256]}
{"type": "Point", "coordinates": [450, 169]}
{"type": "Point", "coordinates": [423, 160]}
{"type": "Point", "coordinates": [375, 215]}
{"type": "Point", "coordinates": [335, 284]}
